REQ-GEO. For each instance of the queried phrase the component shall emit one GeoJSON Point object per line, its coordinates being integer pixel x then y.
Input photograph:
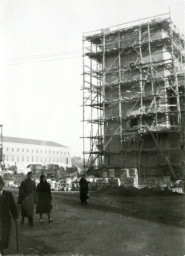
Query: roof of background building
{"type": "Point", "coordinates": [31, 141]}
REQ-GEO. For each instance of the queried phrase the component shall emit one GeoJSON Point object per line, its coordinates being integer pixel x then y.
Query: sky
{"type": "Point", "coordinates": [42, 99]}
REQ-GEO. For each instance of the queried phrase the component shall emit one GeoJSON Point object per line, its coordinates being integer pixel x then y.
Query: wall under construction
{"type": "Point", "coordinates": [134, 97]}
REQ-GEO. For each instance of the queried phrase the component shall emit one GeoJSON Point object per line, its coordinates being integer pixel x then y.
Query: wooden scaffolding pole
{"type": "Point", "coordinates": [91, 113]}
{"type": "Point", "coordinates": [83, 50]}
{"type": "Point", "coordinates": [152, 74]}
{"type": "Point", "coordinates": [103, 95]}
{"type": "Point", "coordinates": [119, 88]}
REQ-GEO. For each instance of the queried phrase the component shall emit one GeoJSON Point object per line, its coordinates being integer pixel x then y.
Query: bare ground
{"type": "Point", "coordinates": [109, 225]}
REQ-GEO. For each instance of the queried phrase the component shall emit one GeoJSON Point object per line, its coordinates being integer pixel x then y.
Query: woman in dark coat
{"type": "Point", "coordinates": [83, 190]}
{"type": "Point", "coordinates": [44, 198]}
{"type": "Point", "coordinates": [8, 209]}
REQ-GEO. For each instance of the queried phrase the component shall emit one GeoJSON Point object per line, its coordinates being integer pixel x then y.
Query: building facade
{"type": "Point", "coordinates": [133, 98]}
{"type": "Point", "coordinates": [22, 152]}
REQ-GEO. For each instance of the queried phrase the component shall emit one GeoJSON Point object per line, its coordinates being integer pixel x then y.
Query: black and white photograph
{"type": "Point", "coordinates": [92, 127]}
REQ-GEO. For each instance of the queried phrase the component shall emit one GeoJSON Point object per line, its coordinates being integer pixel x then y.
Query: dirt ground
{"type": "Point", "coordinates": [108, 226]}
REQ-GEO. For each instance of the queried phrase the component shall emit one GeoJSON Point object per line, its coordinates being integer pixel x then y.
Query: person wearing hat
{"type": "Point", "coordinates": [27, 198]}
{"type": "Point", "coordinates": [8, 209]}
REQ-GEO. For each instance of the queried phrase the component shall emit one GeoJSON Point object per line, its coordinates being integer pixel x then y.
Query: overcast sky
{"type": "Point", "coordinates": [41, 100]}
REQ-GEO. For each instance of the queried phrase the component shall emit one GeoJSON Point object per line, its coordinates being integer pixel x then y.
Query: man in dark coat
{"type": "Point", "coordinates": [27, 198]}
{"type": "Point", "coordinates": [8, 209]}
{"type": "Point", "coordinates": [83, 190]}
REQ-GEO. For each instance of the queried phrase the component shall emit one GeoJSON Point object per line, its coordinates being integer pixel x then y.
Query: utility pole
{"type": "Point", "coordinates": [1, 147]}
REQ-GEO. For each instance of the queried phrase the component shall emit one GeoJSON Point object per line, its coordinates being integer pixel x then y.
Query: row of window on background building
{"type": "Point", "coordinates": [37, 151]}
{"type": "Point", "coordinates": [32, 159]}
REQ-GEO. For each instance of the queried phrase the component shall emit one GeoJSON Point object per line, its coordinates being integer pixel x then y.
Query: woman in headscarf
{"type": "Point", "coordinates": [44, 199]}
{"type": "Point", "coordinates": [83, 190]}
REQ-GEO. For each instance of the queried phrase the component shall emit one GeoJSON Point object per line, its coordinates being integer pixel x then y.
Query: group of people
{"type": "Point", "coordinates": [29, 195]}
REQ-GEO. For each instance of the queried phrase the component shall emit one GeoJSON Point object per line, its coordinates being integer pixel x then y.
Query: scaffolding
{"type": "Point", "coordinates": [133, 97]}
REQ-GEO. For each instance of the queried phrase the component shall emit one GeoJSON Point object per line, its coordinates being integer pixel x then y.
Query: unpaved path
{"type": "Point", "coordinates": [108, 226]}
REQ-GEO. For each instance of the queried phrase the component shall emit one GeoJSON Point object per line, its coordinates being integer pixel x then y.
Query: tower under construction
{"type": "Point", "coordinates": [134, 98]}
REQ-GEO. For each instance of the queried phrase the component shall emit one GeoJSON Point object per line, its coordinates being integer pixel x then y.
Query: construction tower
{"type": "Point", "coordinates": [134, 98]}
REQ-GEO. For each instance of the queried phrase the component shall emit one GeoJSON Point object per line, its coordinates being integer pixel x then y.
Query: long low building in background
{"type": "Point", "coordinates": [21, 152]}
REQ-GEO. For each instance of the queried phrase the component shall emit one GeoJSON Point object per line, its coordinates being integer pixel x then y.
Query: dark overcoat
{"type": "Point", "coordinates": [83, 189]}
{"type": "Point", "coordinates": [27, 197]}
{"type": "Point", "coordinates": [8, 209]}
{"type": "Point", "coordinates": [44, 198]}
